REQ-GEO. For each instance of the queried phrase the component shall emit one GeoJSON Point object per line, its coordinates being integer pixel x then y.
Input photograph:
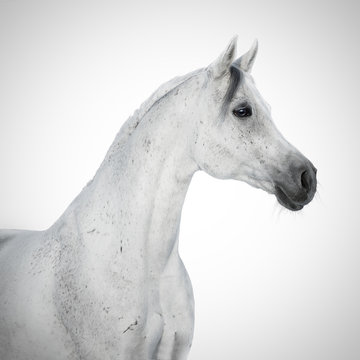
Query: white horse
{"type": "Point", "coordinates": [106, 280]}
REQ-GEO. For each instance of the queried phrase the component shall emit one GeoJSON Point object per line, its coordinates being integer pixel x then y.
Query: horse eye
{"type": "Point", "coordinates": [243, 111]}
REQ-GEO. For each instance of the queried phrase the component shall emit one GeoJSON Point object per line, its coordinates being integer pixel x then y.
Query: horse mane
{"type": "Point", "coordinates": [133, 121]}
{"type": "Point", "coordinates": [166, 88]}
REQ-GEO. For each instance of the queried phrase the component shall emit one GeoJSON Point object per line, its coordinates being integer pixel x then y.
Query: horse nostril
{"type": "Point", "coordinates": [306, 181]}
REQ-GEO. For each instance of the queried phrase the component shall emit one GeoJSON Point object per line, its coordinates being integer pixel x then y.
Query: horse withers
{"type": "Point", "coordinates": [106, 280]}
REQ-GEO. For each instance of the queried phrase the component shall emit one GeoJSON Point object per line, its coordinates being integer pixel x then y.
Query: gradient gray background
{"type": "Point", "coordinates": [269, 284]}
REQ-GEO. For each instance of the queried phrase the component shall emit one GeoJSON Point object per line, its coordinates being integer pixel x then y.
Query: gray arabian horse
{"type": "Point", "coordinates": [106, 280]}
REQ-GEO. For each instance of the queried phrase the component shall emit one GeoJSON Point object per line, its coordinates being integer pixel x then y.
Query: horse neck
{"type": "Point", "coordinates": [133, 205]}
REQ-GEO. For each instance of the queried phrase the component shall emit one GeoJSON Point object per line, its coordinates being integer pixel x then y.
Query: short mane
{"type": "Point", "coordinates": [157, 95]}
{"type": "Point", "coordinates": [133, 121]}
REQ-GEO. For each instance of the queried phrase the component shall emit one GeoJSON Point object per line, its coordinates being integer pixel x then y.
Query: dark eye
{"type": "Point", "coordinates": [243, 111]}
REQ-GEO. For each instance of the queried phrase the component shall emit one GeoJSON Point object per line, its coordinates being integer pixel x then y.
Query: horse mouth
{"type": "Point", "coordinates": [285, 201]}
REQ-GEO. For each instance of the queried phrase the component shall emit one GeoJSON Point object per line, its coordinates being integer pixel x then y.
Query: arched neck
{"type": "Point", "coordinates": [132, 207]}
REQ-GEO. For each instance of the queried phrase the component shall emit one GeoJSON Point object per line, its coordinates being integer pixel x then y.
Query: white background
{"type": "Point", "coordinates": [269, 284]}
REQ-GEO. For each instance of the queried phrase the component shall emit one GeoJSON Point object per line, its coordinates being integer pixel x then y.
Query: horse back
{"type": "Point", "coordinates": [6, 235]}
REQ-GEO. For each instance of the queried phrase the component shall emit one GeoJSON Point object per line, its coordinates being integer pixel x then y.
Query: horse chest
{"type": "Point", "coordinates": [116, 314]}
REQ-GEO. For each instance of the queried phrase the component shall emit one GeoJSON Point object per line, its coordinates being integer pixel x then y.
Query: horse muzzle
{"type": "Point", "coordinates": [298, 190]}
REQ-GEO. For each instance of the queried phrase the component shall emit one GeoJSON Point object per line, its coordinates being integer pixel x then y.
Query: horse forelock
{"type": "Point", "coordinates": [236, 78]}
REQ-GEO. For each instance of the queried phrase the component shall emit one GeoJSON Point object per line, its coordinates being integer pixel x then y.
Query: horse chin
{"type": "Point", "coordinates": [285, 201]}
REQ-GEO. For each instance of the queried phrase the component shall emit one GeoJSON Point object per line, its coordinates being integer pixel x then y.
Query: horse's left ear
{"type": "Point", "coordinates": [222, 64]}
{"type": "Point", "coordinates": [246, 61]}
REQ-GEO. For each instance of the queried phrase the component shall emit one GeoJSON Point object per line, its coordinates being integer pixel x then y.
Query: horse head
{"type": "Point", "coordinates": [237, 139]}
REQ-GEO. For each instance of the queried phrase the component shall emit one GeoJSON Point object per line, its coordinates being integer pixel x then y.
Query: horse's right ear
{"type": "Point", "coordinates": [222, 64]}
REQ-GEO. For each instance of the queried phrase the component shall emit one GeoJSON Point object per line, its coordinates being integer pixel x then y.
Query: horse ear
{"type": "Point", "coordinates": [246, 61]}
{"type": "Point", "coordinates": [222, 64]}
